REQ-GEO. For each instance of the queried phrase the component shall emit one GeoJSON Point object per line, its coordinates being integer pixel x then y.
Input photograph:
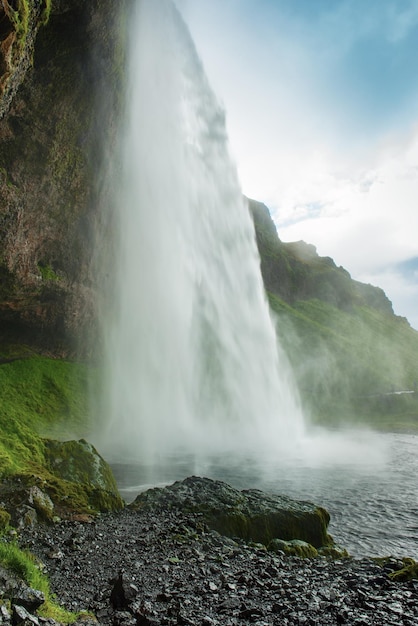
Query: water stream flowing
{"type": "Point", "coordinates": [193, 361]}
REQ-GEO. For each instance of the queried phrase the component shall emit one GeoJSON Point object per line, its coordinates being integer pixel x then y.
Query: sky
{"type": "Point", "coordinates": [321, 99]}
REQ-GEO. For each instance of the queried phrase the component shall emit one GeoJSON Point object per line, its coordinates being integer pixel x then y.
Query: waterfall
{"type": "Point", "coordinates": [193, 364]}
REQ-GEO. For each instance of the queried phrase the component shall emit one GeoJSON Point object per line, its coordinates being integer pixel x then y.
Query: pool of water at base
{"type": "Point", "coordinates": [372, 499]}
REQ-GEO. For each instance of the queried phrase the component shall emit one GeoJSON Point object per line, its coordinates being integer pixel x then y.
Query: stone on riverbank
{"type": "Point", "coordinates": [409, 571]}
{"type": "Point", "coordinates": [295, 547]}
{"type": "Point", "coordinates": [250, 514]}
{"type": "Point", "coordinates": [160, 566]}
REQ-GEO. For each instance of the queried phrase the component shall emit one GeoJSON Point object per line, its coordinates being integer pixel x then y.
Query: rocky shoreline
{"type": "Point", "coordinates": [145, 566]}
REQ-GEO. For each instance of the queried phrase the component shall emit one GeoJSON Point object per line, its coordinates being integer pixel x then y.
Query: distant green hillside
{"type": "Point", "coordinates": [351, 355]}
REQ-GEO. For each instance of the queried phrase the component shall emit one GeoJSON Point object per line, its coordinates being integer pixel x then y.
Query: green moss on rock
{"type": "Point", "coordinates": [42, 503]}
{"type": "Point", "coordinates": [79, 462]}
{"type": "Point", "coordinates": [21, 20]}
{"type": "Point", "coordinates": [333, 552]}
{"type": "Point", "coordinates": [49, 477]}
{"type": "Point", "coordinates": [44, 497]}
{"type": "Point", "coordinates": [4, 519]}
{"type": "Point", "coordinates": [295, 547]}
{"type": "Point", "coordinates": [409, 571]}
{"type": "Point", "coordinates": [250, 514]}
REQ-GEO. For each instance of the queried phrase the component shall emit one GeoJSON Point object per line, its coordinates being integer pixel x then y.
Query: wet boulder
{"type": "Point", "coordinates": [250, 514]}
{"type": "Point", "coordinates": [400, 570]}
{"type": "Point", "coordinates": [295, 547]}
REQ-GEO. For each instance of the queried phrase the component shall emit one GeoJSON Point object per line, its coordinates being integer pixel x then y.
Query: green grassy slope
{"type": "Point", "coordinates": [350, 353]}
{"type": "Point", "coordinates": [39, 396]}
{"type": "Point", "coordinates": [348, 364]}
{"type": "Point", "coordinates": [42, 400]}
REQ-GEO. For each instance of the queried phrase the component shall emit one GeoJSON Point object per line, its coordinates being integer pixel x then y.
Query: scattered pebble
{"type": "Point", "coordinates": [165, 568]}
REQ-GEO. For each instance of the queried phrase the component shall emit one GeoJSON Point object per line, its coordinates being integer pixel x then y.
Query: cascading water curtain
{"type": "Point", "coordinates": [192, 360]}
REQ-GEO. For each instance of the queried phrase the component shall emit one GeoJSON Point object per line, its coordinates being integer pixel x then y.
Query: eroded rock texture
{"type": "Point", "coordinates": [51, 151]}
{"type": "Point", "coordinates": [249, 514]}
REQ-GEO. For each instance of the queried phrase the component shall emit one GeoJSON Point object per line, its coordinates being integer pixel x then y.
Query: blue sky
{"type": "Point", "coordinates": [322, 111]}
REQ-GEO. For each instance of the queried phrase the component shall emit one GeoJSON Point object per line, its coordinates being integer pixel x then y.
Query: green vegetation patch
{"type": "Point", "coordinates": [47, 397]}
{"type": "Point", "coordinates": [20, 16]}
{"type": "Point", "coordinates": [357, 365]}
{"type": "Point", "coordinates": [47, 272]}
{"type": "Point", "coordinates": [24, 565]}
{"type": "Point", "coordinates": [46, 13]}
{"type": "Point", "coordinates": [409, 571]}
{"type": "Point", "coordinates": [38, 395]}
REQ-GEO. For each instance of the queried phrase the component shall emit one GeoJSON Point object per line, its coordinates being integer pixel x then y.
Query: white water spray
{"type": "Point", "coordinates": [192, 356]}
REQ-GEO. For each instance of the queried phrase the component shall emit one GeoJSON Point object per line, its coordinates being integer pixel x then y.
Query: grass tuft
{"type": "Point", "coordinates": [24, 565]}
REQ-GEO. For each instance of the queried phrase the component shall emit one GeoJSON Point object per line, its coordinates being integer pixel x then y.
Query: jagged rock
{"type": "Point", "coordinates": [24, 516]}
{"type": "Point", "coordinates": [5, 577]}
{"type": "Point", "coordinates": [50, 147]}
{"type": "Point", "coordinates": [250, 514]}
{"type": "Point", "coordinates": [20, 616]}
{"type": "Point", "coordinates": [401, 571]}
{"type": "Point", "coordinates": [5, 616]}
{"type": "Point", "coordinates": [41, 502]}
{"type": "Point", "coordinates": [185, 574]}
{"type": "Point", "coordinates": [90, 488]}
{"type": "Point", "coordinates": [123, 592]}
{"type": "Point", "coordinates": [294, 271]}
{"type": "Point", "coordinates": [27, 597]}
{"type": "Point", "coordinates": [12, 587]}
{"type": "Point", "coordinates": [125, 618]}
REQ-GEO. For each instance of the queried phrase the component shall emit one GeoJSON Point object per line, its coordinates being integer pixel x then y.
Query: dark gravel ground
{"type": "Point", "coordinates": [142, 568]}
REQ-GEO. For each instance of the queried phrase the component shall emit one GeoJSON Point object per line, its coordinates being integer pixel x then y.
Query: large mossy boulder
{"type": "Point", "coordinates": [75, 481]}
{"type": "Point", "coordinates": [79, 462]}
{"type": "Point", "coordinates": [251, 514]}
{"type": "Point", "coordinates": [81, 480]}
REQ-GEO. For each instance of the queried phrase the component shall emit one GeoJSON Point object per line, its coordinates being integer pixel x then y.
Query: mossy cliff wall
{"type": "Point", "coordinates": [19, 24]}
{"type": "Point", "coordinates": [59, 106]}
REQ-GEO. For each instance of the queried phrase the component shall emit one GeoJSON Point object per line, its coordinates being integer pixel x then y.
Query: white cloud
{"type": "Point", "coordinates": [367, 223]}
{"type": "Point", "coordinates": [370, 219]}
{"type": "Point", "coordinates": [329, 148]}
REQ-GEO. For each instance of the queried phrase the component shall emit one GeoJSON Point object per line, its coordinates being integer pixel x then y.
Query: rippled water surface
{"type": "Point", "coordinates": [372, 498]}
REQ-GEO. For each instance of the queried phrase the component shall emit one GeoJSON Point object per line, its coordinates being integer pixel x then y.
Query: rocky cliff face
{"type": "Point", "coordinates": [19, 24]}
{"type": "Point", "coordinates": [51, 139]}
{"type": "Point", "coordinates": [348, 350]}
{"type": "Point", "coordinates": [62, 73]}
{"type": "Point", "coordinates": [294, 271]}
